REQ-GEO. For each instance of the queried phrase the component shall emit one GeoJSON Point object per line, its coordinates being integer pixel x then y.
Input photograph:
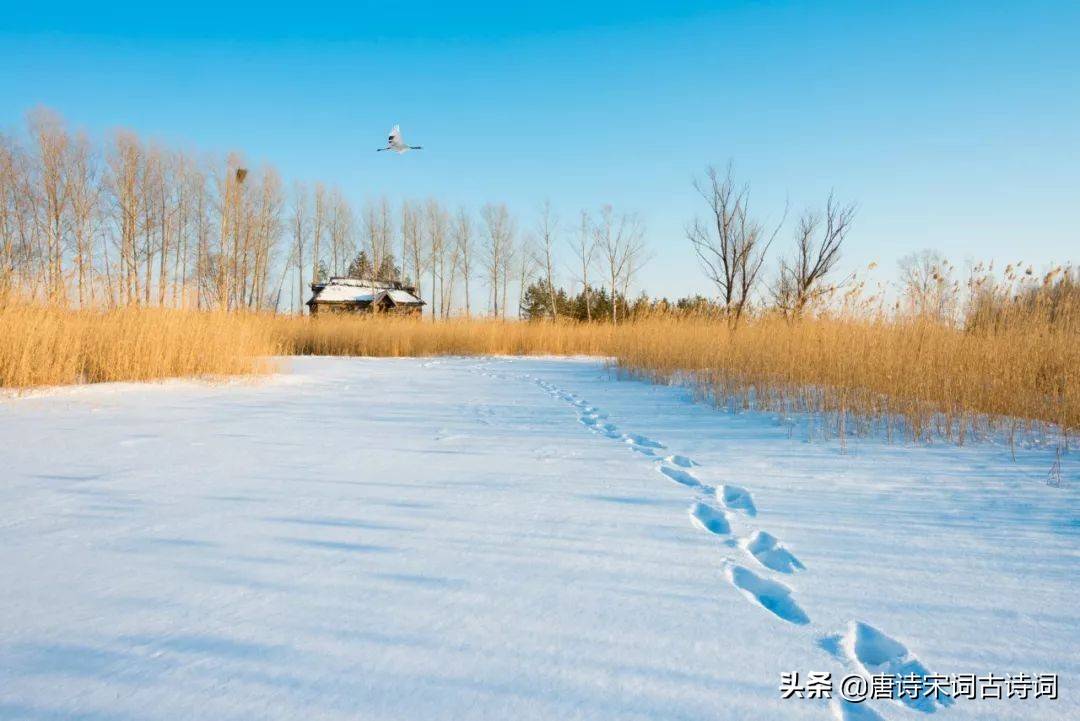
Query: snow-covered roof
{"type": "Point", "coordinates": [403, 297]}
{"type": "Point", "coordinates": [345, 293]}
{"type": "Point", "coordinates": [363, 282]}
{"type": "Point", "coordinates": [353, 290]}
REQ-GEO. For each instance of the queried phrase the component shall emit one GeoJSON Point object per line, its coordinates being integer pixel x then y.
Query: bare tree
{"type": "Point", "coordinates": [301, 233]}
{"type": "Point", "coordinates": [818, 241]}
{"type": "Point", "coordinates": [528, 262]}
{"type": "Point", "coordinates": [412, 241]}
{"type": "Point", "coordinates": [11, 214]}
{"type": "Point", "coordinates": [546, 231]}
{"type": "Point", "coordinates": [584, 247]}
{"type": "Point", "coordinates": [506, 269]}
{"type": "Point", "coordinates": [186, 177]}
{"type": "Point", "coordinates": [620, 241]}
{"type": "Point", "coordinates": [225, 258]}
{"type": "Point", "coordinates": [167, 207]}
{"type": "Point", "coordinates": [54, 160]}
{"type": "Point", "coordinates": [125, 176]}
{"type": "Point", "coordinates": [379, 229]}
{"type": "Point", "coordinates": [341, 226]}
{"type": "Point", "coordinates": [85, 208]}
{"type": "Point", "coordinates": [436, 226]}
{"type": "Point", "coordinates": [266, 232]}
{"type": "Point", "coordinates": [18, 220]}
{"type": "Point", "coordinates": [200, 208]}
{"type": "Point", "coordinates": [463, 241]}
{"type": "Point", "coordinates": [732, 245]}
{"type": "Point", "coordinates": [448, 274]}
{"type": "Point", "coordinates": [152, 187]}
{"type": "Point", "coordinates": [318, 227]}
{"type": "Point", "coordinates": [448, 259]}
{"type": "Point", "coordinates": [498, 237]}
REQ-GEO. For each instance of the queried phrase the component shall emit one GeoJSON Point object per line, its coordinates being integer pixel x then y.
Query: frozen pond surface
{"type": "Point", "coordinates": [505, 539]}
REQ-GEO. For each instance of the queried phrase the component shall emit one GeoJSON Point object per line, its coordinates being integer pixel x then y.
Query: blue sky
{"type": "Point", "coordinates": [952, 125]}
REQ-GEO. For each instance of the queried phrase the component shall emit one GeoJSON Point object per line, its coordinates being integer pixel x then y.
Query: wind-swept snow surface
{"type": "Point", "coordinates": [506, 539]}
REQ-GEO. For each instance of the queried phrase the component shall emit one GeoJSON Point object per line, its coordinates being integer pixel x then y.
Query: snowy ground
{"type": "Point", "coordinates": [503, 539]}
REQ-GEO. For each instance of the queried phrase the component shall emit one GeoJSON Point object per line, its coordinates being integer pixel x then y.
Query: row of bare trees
{"type": "Point", "coordinates": [133, 223]}
{"type": "Point", "coordinates": [130, 222]}
{"type": "Point", "coordinates": [606, 249]}
{"type": "Point", "coordinates": [445, 253]}
{"type": "Point", "coordinates": [732, 246]}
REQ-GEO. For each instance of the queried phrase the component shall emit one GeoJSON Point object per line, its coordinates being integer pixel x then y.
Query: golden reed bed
{"type": "Point", "coordinates": [928, 376]}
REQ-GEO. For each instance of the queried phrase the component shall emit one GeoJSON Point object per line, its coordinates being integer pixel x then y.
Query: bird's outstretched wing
{"type": "Point", "coordinates": [395, 135]}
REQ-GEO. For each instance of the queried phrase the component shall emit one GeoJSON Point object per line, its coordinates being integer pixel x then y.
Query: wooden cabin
{"type": "Point", "coordinates": [364, 295]}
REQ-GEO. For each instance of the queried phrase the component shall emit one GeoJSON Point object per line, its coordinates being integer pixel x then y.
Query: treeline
{"type": "Point", "coordinates": [733, 246]}
{"type": "Point", "coordinates": [929, 289]}
{"type": "Point", "coordinates": [127, 222]}
{"type": "Point", "coordinates": [134, 223]}
{"type": "Point", "coordinates": [542, 302]}
{"type": "Point", "coordinates": [447, 255]}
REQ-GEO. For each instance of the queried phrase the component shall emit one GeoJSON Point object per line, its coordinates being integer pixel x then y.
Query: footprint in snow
{"type": "Point", "coordinates": [772, 596]}
{"type": "Point", "coordinates": [680, 476]}
{"type": "Point", "coordinates": [643, 441]}
{"type": "Point", "coordinates": [610, 430]}
{"type": "Point", "coordinates": [588, 420]}
{"type": "Point", "coordinates": [710, 519]}
{"type": "Point", "coordinates": [770, 553]}
{"type": "Point", "coordinates": [872, 651]}
{"type": "Point", "coordinates": [683, 461]}
{"type": "Point", "coordinates": [737, 498]}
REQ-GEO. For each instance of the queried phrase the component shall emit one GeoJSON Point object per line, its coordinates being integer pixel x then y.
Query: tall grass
{"type": "Point", "coordinates": [916, 376]}
{"type": "Point", "coordinates": [43, 345]}
{"type": "Point", "coordinates": [387, 336]}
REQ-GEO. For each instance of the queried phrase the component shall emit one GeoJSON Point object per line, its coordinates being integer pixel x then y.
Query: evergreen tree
{"type": "Point", "coordinates": [536, 304]}
{"type": "Point", "coordinates": [360, 267]}
{"type": "Point", "coordinates": [388, 270]}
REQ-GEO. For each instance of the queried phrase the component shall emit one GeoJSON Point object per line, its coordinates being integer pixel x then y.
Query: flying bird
{"type": "Point", "coordinates": [396, 144]}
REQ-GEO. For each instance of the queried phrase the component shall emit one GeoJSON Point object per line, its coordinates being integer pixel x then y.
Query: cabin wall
{"type": "Point", "coordinates": [339, 308]}
{"type": "Point", "coordinates": [361, 308]}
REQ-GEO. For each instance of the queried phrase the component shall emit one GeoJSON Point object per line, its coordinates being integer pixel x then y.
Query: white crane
{"type": "Point", "coordinates": [396, 144]}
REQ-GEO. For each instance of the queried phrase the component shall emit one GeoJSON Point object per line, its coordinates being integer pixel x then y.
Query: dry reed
{"type": "Point", "coordinates": [42, 345]}
{"type": "Point", "coordinates": [385, 336]}
{"type": "Point", "coordinates": [918, 377]}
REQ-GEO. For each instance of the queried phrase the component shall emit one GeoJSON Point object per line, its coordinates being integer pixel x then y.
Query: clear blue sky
{"type": "Point", "coordinates": [954, 125]}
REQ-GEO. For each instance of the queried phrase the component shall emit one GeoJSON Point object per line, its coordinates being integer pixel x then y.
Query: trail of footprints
{"type": "Point", "coordinates": [862, 647]}
{"type": "Point", "coordinates": [712, 510]}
